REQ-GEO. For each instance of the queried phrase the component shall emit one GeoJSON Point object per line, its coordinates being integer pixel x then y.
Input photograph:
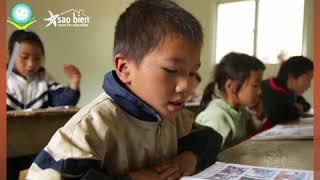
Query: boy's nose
{"type": "Point", "coordinates": [183, 85]}
{"type": "Point", "coordinates": [259, 91]}
{"type": "Point", "coordinates": [31, 63]}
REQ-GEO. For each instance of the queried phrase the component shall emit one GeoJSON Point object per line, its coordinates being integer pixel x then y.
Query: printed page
{"type": "Point", "coordinates": [193, 103]}
{"type": "Point", "coordinates": [226, 171]}
{"type": "Point", "coordinates": [301, 131]}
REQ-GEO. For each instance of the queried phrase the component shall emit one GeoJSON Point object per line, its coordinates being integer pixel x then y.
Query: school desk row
{"type": "Point", "coordinates": [29, 132]}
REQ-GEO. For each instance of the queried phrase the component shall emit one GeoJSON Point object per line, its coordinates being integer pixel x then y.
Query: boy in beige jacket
{"type": "Point", "coordinates": [137, 128]}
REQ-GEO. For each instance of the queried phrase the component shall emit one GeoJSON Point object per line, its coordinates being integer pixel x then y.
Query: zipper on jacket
{"type": "Point", "coordinates": [158, 134]}
{"type": "Point", "coordinates": [25, 95]}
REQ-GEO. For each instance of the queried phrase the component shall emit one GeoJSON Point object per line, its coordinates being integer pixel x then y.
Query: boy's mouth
{"type": "Point", "coordinates": [175, 106]}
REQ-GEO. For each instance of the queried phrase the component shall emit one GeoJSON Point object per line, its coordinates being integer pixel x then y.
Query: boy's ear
{"type": "Point", "coordinates": [290, 76]}
{"type": "Point", "coordinates": [122, 66]}
{"type": "Point", "coordinates": [228, 84]}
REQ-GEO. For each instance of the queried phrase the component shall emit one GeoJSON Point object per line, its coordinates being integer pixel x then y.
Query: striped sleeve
{"type": "Point", "coordinates": [76, 151]}
{"type": "Point", "coordinates": [59, 95]}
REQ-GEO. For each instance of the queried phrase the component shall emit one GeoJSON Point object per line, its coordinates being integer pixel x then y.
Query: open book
{"type": "Point", "coordinates": [301, 131]}
{"type": "Point", "coordinates": [227, 171]}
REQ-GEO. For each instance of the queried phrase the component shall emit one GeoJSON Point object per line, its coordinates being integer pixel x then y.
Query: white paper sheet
{"type": "Point", "coordinates": [227, 171]}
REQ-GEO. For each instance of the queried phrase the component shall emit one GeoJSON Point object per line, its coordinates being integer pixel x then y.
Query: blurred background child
{"type": "Point", "coordinates": [28, 85]}
{"type": "Point", "coordinates": [282, 96]}
{"type": "Point", "coordinates": [235, 86]}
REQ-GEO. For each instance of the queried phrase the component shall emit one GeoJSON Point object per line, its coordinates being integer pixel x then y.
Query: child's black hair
{"type": "Point", "coordinates": [24, 36]}
{"type": "Point", "coordinates": [294, 66]}
{"type": "Point", "coordinates": [146, 22]}
{"type": "Point", "coordinates": [234, 66]}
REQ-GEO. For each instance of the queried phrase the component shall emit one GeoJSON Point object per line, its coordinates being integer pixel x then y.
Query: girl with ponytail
{"type": "Point", "coordinates": [235, 89]}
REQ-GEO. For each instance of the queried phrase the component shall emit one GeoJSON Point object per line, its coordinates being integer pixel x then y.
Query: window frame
{"type": "Point", "coordinates": [256, 29]}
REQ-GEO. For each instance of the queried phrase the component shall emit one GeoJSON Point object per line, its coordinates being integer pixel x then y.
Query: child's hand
{"type": "Point", "coordinates": [256, 109]}
{"type": "Point", "coordinates": [186, 163]}
{"type": "Point", "coordinates": [73, 73]}
{"type": "Point", "coordinates": [154, 174]}
{"type": "Point", "coordinates": [163, 167]}
{"type": "Point", "coordinates": [299, 107]}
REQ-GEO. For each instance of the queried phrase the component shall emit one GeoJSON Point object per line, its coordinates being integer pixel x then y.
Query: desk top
{"type": "Point", "coordinates": [297, 154]}
{"type": "Point", "coordinates": [42, 112]}
{"type": "Point", "coordinates": [293, 154]}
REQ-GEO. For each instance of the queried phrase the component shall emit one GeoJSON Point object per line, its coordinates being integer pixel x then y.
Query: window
{"type": "Point", "coordinates": [235, 28]}
{"type": "Point", "coordinates": [277, 31]}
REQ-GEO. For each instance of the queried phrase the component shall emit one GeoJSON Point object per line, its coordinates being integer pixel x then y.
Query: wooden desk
{"type": "Point", "coordinates": [29, 131]}
{"type": "Point", "coordinates": [293, 154]}
{"type": "Point", "coordinates": [193, 107]}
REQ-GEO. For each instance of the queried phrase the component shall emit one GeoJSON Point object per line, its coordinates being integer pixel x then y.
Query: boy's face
{"type": "Point", "coordinates": [195, 84]}
{"type": "Point", "coordinates": [28, 59]}
{"type": "Point", "coordinates": [301, 83]}
{"type": "Point", "coordinates": [250, 91]}
{"type": "Point", "coordinates": [163, 78]}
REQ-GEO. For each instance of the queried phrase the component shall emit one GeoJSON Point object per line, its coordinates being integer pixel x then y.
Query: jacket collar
{"type": "Point", "coordinates": [118, 91]}
{"type": "Point", "coordinates": [274, 86]}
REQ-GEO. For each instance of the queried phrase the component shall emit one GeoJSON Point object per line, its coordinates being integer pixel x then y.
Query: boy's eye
{"type": "Point", "coordinates": [171, 71]}
{"type": "Point", "coordinates": [192, 74]}
{"type": "Point", "coordinates": [256, 85]}
{"type": "Point", "coordinates": [24, 57]}
{"type": "Point", "coordinates": [37, 58]}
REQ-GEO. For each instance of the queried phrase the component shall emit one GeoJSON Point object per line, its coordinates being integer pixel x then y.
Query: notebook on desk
{"type": "Point", "coordinates": [286, 132]}
{"type": "Point", "coordinates": [227, 171]}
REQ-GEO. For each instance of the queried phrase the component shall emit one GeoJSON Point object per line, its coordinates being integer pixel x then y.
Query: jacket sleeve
{"type": "Point", "coordinates": [62, 96]}
{"type": "Point", "coordinates": [76, 151]}
{"type": "Point", "coordinates": [278, 109]}
{"type": "Point", "coordinates": [205, 143]}
{"type": "Point", "coordinates": [217, 120]}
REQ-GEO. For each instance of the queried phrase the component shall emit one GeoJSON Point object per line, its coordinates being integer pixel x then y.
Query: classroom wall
{"type": "Point", "coordinates": [206, 14]}
{"type": "Point", "coordinates": [308, 44]}
{"type": "Point", "coordinates": [90, 48]}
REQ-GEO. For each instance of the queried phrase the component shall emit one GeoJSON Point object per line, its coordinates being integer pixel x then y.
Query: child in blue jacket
{"type": "Point", "coordinates": [28, 85]}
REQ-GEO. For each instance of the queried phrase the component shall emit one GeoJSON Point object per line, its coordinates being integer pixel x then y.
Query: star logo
{"type": "Point", "coordinates": [52, 19]}
{"type": "Point", "coordinates": [69, 18]}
